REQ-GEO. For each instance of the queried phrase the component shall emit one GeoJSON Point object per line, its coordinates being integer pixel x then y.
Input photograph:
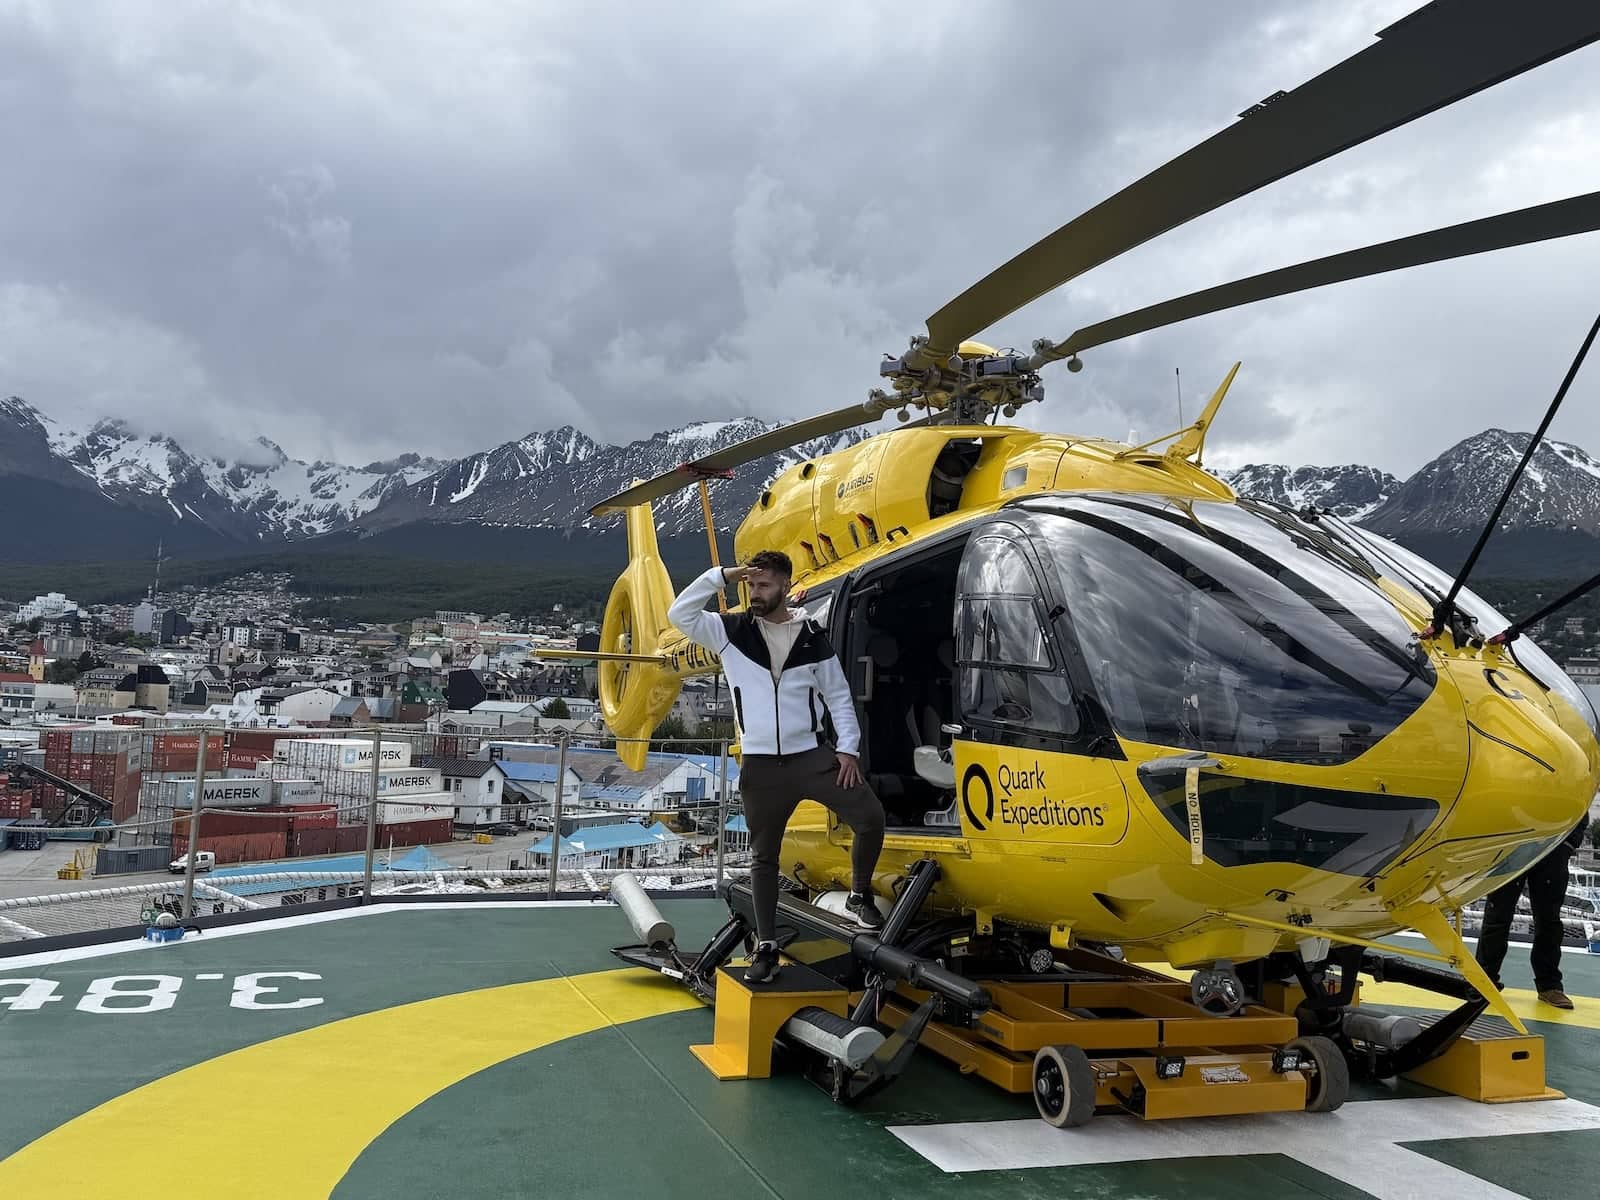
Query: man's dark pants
{"type": "Point", "coordinates": [1546, 882]}
{"type": "Point", "coordinates": [772, 785]}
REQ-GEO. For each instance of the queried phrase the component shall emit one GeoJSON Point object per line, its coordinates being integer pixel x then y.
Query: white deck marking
{"type": "Point", "coordinates": [1360, 1145]}
{"type": "Point", "coordinates": [47, 958]}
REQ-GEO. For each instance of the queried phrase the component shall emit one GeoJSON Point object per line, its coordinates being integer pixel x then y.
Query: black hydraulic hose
{"type": "Point", "coordinates": [1444, 609]}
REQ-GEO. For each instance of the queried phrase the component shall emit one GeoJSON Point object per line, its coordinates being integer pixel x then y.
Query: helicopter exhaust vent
{"type": "Point", "coordinates": [1122, 908]}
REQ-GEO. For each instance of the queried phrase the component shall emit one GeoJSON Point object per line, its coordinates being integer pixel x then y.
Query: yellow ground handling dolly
{"type": "Point", "coordinates": [1080, 1030]}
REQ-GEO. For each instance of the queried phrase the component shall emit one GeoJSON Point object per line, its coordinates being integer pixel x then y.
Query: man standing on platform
{"type": "Point", "coordinates": [1546, 882]}
{"type": "Point", "coordinates": [786, 679]}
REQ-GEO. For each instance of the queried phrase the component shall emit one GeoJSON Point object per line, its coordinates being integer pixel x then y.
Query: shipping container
{"type": "Point", "coordinates": [218, 792]}
{"type": "Point", "coordinates": [121, 860]}
{"type": "Point", "coordinates": [341, 753]}
{"type": "Point", "coordinates": [320, 816]}
{"type": "Point", "coordinates": [409, 781]}
{"type": "Point", "coordinates": [303, 841]}
{"type": "Point", "coordinates": [431, 806]}
{"type": "Point", "coordinates": [235, 848]}
{"type": "Point", "coordinates": [27, 835]}
{"type": "Point", "coordinates": [350, 837]}
{"type": "Point", "coordinates": [259, 740]}
{"type": "Point", "coordinates": [229, 824]}
{"type": "Point", "coordinates": [294, 792]}
{"type": "Point", "coordinates": [416, 833]}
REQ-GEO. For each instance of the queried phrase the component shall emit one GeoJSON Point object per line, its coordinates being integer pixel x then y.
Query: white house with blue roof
{"type": "Point", "coordinates": [530, 789]}
{"type": "Point", "coordinates": [611, 847]}
{"type": "Point", "coordinates": [667, 783]}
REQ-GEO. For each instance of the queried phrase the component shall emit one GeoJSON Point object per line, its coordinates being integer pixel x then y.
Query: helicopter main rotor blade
{"type": "Point", "coordinates": [1542, 222]}
{"type": "Point", "coordinates": [719, 462]}
{"type": "Point", "coordinates": [1443, 52]}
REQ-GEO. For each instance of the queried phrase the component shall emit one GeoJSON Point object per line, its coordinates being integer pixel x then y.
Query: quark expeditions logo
{"type": "Point", "coordinates": [1020, 801]}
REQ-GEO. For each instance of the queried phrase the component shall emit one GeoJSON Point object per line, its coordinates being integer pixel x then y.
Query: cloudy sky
{"type": "Point", "coordinates": [362, 228]}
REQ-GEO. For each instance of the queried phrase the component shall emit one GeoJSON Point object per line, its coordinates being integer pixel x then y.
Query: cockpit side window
{"type": "Point", "coordinates": [1008, 675]}
{"type": "Point", "coordinates": [1207, 627]}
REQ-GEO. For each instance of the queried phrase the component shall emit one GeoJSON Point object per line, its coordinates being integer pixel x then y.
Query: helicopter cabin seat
{"type": "Point", "coordinates": [910, 702]}
{"type": "Point", "coordinates": [933, 760]}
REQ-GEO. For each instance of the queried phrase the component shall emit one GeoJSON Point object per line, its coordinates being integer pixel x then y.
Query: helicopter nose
{"type": "Point", "coordinates": [1528, 784]}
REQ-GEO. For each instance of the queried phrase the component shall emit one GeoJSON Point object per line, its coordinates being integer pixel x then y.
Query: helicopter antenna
{"type": "Point", "coordinates": [1445, 609]}
{"type": "Point", "coordinates": [1177, 375]}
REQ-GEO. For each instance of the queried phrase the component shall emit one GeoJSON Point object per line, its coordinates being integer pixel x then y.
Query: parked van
{"type": "Point", "coordinates": [204, 860]}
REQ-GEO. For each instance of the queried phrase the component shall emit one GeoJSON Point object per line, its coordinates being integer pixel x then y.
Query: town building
{"type": "Point", "coordinates": [51, 604]}
{"type": "Point", "coordinates": [530, 790]}
{"type": "Point", "coordinates": [477, 787]}
{"type": "Point", "coordinates": [611, 847]}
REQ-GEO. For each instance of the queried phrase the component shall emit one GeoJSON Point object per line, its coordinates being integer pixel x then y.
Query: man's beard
{"type": "Point", "coordinates": [759, 606]}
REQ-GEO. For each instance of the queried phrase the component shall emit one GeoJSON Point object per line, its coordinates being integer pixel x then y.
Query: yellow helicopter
{"type": "Point", "coordinates": [1117, 703]}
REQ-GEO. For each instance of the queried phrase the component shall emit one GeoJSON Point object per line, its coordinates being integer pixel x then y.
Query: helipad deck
{"type": "Point", "coordinates": [496, 1050]}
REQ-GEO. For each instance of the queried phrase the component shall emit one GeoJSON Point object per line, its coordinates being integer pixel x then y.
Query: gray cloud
{"type": "Point", "coordinates": [363, 229]}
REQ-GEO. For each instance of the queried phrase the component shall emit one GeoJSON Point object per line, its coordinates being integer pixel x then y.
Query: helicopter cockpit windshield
{"type": "Point", "coordinates": [1207, 626]}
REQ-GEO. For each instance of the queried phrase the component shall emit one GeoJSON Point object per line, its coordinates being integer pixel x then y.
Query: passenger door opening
{"type": "Point", "coordinates": [899, 648]}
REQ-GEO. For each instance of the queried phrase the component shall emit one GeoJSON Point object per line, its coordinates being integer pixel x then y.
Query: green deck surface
{"type": "Point", "coordinates": [626, 1110]}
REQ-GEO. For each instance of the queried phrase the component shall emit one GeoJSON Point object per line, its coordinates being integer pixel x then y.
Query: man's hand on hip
{"type": "Point", "coordinates": [850, 771]}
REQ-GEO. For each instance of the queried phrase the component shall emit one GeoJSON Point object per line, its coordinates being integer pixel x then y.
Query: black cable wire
{"type": "Point", "coordinates": [1514, 630]}
{"type": "Point", "coordinates": [1445, 608]}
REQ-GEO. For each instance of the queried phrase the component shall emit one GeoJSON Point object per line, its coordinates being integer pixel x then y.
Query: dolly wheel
{"type": "Point", "coordinates": [1063, 1086]}
{"type": "Point", "coordinates": [1328, 1074]}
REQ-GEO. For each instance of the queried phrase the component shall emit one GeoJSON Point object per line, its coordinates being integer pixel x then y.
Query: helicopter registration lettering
{"type": "Point", "coordinates": [691, 656]}
{"type": "Point", "coordinates": [1041, 797]}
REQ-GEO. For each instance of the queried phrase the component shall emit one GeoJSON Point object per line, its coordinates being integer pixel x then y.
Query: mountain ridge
{"type": "Point", "coordinates": [149, 487]}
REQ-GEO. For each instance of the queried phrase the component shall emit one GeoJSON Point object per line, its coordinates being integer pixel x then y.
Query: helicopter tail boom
{"type": "Point", "coordinates": [639, 673]}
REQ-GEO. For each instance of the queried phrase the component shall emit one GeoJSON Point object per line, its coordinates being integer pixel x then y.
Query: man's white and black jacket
{"type": "Point", "coordinates": [783, 718]}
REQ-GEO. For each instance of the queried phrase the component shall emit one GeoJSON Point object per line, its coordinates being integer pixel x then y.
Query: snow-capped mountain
{"type": "Point", "coordinates": [114, 488]}
{"type": "Point", "coordinates": [1439, 511]}
{"type": "Point", "coordinates": [1454, 494]}
{"type": "Point", "coordinates": [1350, 491]}
{"type": "Point", "coordinates": [269, 497]}
{"type": "Point", "coordinates": [551, 480]}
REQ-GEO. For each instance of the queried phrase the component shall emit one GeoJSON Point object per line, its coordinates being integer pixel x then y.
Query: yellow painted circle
{"type": "Point", "coordinates": [321, 1091]}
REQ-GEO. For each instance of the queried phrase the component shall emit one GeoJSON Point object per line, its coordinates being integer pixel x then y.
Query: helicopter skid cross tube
{"type": "Point", "coordinates": [895, 963]}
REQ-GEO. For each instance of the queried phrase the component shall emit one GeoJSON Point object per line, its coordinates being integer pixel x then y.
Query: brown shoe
{"type": "Point", "coordinates": [1555, 998]}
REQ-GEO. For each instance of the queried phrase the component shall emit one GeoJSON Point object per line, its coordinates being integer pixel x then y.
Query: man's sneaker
{"type": "Point", "coordinates": [763, 964]}
{"type": "Point", "coordinates": [1555, 998]}
{"type": "Point", "coordinates": [865, 910]}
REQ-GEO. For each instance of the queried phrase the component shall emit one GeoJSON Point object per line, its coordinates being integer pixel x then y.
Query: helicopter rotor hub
{"type": "Point", "coordinates": [966, 389]}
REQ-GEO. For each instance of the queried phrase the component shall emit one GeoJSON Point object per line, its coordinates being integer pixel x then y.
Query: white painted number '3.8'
{"type": "Point", "coordinates": [152, 993]}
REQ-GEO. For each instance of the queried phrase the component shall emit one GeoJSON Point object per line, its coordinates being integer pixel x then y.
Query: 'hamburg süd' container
{"type": "Point", "coordinates": [432, 806]}
{"type": "Point", "coordinates": [177, 752]}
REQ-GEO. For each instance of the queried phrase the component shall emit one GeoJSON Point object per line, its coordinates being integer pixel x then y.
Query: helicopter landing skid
{"type": "Point", "coordinates": [818, 1013]}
